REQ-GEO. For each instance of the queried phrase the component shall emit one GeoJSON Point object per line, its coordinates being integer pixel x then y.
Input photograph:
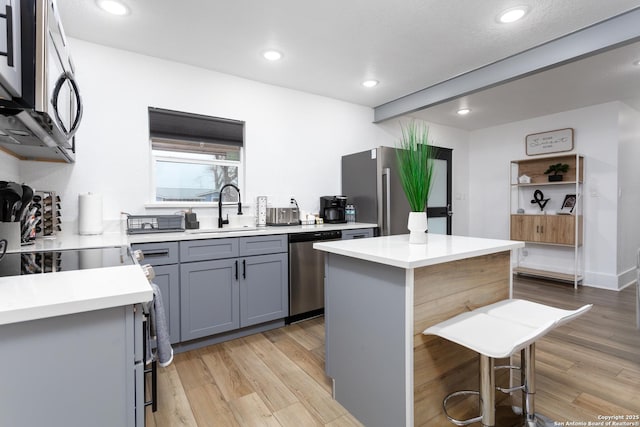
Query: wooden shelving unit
{"type": "Point", "coordinates": [546, 227]}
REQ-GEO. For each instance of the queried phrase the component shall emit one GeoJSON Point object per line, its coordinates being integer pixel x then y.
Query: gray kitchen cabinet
{"type": "Point", "coordinates": [168, 280]}
{"type": "Point", "coordinates": [264, 289]}
{"type": "Point", "coordinates": [361, 233]}
{"type": "Point", "coordinates": [208, 249]}
{"type": "Point", "coordinates": [232, 283]}
{"type": "Point", "coordinates": [88, 369]}
{"type": "Point", "coordinates": [209, 298]}
{"type": "Point", "coordinates": [164, 257]}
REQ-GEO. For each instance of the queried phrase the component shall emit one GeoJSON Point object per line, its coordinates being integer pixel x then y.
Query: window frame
{"type": "Point", "coordinates": [182, 204]}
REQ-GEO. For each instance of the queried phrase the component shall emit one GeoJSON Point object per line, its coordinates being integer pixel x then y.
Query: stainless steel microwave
{"type": "Point", "coordinates": [40, 103]}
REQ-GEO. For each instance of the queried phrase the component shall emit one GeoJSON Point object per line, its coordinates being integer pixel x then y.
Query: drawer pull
{"type": "Point", "coordinates": [156, 254]}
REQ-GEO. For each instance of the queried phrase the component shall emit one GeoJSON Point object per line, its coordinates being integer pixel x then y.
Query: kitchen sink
{"type": "Point", "coordinates": [221, 230]}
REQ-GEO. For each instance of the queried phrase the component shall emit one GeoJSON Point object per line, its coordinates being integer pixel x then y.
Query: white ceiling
{"type": "Point", "coordinates": [330, 47]}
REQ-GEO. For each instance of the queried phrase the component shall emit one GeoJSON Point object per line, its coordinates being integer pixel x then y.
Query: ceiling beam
{"type": "Point", "coordinates": [609, 34]}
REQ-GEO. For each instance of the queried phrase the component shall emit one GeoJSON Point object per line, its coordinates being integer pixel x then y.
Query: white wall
{"type": "Point", "coordinates": [628, 194]}
{"type": "Point", "coordinates": [9, 167]}
{"type": "Point", "coordinates": [596, 138]}
{"type": "Point", "coordinates": [294, 140]}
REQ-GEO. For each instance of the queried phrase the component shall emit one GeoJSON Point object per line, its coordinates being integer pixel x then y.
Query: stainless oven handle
{"type": "Point", "coordinates": [8, 15]}
{"type": "Point", "coordinates": [56, 91]}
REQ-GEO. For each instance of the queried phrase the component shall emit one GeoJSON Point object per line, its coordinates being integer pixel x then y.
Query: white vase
{"type": "Point", "coordinates": [417, 226]}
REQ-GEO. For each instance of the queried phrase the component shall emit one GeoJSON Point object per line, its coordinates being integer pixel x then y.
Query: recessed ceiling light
{"type": "Point", "coordinates": [370, 83]}
{"type": "Point", "coordinates": [636, 63]}
{"type": "Point", "coordinates": [464, 111]}
{"type": "Point", "coordinates": [113, 7]}
{"type": "Point", "coordinates": [272, 55]}
{"type": "Point", "coordinates": [512, 15]}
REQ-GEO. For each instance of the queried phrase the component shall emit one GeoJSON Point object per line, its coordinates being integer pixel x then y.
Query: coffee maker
{"type": "Point", "coordinates": [332, 209]}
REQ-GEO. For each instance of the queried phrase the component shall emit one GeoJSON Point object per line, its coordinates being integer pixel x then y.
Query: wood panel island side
{"type": "Point", "coordinates": [380, 294]}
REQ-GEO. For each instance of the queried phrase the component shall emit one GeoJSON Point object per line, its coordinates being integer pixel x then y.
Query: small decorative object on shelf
{"type": "Point", "coordinates": [538, 197]}
{"type": "Point", "coordinates": [524, 179]}
{"type": "Point", "coordinates": [568, 204]}
{"type": "Point", "coordinates": [556, 169]}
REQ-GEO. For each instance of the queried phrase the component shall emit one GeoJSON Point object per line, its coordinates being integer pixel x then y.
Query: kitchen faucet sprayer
{"type": "Point", "coordinates": [221, 221]}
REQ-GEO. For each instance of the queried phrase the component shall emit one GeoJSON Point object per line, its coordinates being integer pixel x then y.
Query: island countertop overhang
{"type": "Point", "coordinates": [396, 251]}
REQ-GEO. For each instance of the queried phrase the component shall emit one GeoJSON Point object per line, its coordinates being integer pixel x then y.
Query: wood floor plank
{"type": "Point", "coordinates": [250, 410]}
{"type": "Point", "coordinates": [174, 409]}
{"type": "Point", "coordinates": [296, 415]}
{"type": "Point", "coordinates": [209, 407]}
{"type": "Point", "coordinates": [265, 382]}
{"type": "Point", "coordinates": [226, 374]}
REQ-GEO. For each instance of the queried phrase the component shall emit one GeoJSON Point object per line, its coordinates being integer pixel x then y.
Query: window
{"type": "Point", "coordinates": [194, 156]}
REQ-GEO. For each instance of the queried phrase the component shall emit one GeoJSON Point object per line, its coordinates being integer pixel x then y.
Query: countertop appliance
{"type": "Point", "coordinates": [38, 121]}
{"type": "Point", "coordinates": [283, 216]}
{"type": "Point", "coordinates": [306, 274]}
{"type": "Point", "coordinates": [332, 209]}
{"type": "Point", "coordinates": [371, 182]}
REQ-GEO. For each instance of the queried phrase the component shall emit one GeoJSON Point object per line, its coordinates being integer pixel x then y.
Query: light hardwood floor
{"type": "Point", "coordinates": [585, 369]}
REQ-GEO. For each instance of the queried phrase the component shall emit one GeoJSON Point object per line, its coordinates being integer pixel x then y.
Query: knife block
{"type": "Point", "coordinates": [50, 213]}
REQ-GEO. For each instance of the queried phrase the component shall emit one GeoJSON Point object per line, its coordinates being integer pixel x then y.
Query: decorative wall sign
{"type": "Point", "coordinates": [553, 141]}
{"type": "Point", "coordinates": [568, 204]}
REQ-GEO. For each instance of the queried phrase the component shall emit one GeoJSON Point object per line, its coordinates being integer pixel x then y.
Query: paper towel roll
{"type": "Point", "coordinates": [90, 213]}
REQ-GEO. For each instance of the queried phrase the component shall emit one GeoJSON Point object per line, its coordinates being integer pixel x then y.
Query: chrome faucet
{"type": "Point", "coordinates": [221, 221]}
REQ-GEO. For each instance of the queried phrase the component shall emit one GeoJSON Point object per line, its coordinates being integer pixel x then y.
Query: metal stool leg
{"type": "Point", "coordinates": [487, 391]}
{"type": "Point", "coordinates": [529, 392]}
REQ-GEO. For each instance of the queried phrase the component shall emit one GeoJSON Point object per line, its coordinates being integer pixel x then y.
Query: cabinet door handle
{"type": "Point", "coordinates": [236, 269]}
{"type": "Point", "coordinates": [537, 228]}
{"type": "Point", "coordinates": [244, 268]}
{"type": "Point", "coordinates": [542, 229]}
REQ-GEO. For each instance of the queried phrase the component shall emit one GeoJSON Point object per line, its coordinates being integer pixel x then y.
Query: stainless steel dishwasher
{"type": "Point", "coordinates": [306, 274]}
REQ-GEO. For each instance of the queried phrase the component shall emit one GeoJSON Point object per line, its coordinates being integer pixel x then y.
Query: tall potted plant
{"type": "Point", "coordinates": [415, 160]}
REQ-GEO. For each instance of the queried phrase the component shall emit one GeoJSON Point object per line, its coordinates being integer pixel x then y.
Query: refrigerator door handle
{"type": "Point", "coordinates": [386, 222]}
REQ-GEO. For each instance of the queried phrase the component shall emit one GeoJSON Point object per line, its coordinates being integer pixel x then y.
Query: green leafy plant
{"type": "Point", "coordinates": [415, 160]}
{"type": "Point", "coordinates": [557, 168]}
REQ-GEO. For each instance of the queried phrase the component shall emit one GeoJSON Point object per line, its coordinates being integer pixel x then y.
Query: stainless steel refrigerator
{"type": "Point", "coordinates": [370, 181]}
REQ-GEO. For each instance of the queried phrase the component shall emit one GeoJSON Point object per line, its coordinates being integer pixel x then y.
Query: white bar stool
{"type": "Point", "coordinates": [496, 331]}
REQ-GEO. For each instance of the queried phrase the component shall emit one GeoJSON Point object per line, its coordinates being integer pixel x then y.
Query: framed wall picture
{"type": "Point", "coordinates": [568, 204]}
{"type": "Point", "coordinates": [553, 141]}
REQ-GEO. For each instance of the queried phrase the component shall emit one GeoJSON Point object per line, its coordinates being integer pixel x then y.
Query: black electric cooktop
{"type": "Point", "coordinates": [52, 261]}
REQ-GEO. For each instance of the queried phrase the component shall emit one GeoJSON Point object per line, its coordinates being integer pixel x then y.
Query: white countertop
{"type": "Point", "coordinates": [396, 250]}
{"type": "Point", "coordinates": [38, 296]}
{"type": "Point", "coordinates": [214, 233]}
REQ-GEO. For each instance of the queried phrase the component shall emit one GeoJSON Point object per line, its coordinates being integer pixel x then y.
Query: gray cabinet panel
{"type": "Point", "coordinates": [264, 289]}
{"type": "Point", "coordinates": [168, 280]}
{"type": "Point", "coordinates": [161, 253]}
{"type": "Point", "coordinates": [209, 298]}
{"type": "Point", "coordinates": [209, 249]}
{"type": "Point", "coordinates": [82, 366]}
{"type": "Point", "coordinates": [357, 234]}
{"type": "Point", "coordinates": [260, 245]}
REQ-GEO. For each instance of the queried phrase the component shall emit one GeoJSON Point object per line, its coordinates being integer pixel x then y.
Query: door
{"type": "Point", "coordinates": [167, 278]}
{"type": "Point", "coordinates": [439, 204]}
{"type": "Point", "coordinates": [264, 288]}
{"type": "Point", "coordinates": [209, 298]}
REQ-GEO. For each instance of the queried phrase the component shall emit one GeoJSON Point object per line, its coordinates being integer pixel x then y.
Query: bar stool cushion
{"type": "Point", "coordinates": [500, 329]}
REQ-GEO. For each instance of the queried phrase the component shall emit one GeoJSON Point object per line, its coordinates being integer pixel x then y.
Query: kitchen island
{"type": "Point", "coordinates": [380, 294]}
